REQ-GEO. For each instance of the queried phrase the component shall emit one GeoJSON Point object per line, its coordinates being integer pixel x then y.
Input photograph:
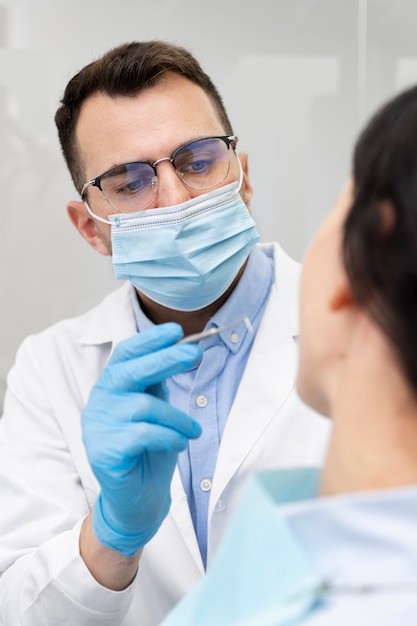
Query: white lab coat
{"type": "Point", "coordinates": [47, 484]}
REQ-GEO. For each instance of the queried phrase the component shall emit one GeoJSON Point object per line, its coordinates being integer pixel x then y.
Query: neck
{"type": "Point", "coordinates": [374, 439]}
{"type": "Point", "coordinates": [191, 321]}
{"type": "Point", "coordinates": [381, 455]}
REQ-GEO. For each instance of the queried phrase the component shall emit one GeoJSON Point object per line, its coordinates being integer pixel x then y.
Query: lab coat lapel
{"type": "Point", "coordinates": [268, 379]}
{"type": "Point", "coordinates": [112, 322]}
{"type": "Point", "coordinates": [181, 515]}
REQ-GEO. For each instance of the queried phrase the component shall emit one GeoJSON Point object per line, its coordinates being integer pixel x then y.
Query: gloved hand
{"type": "Point", "coordinates": [133, 436]}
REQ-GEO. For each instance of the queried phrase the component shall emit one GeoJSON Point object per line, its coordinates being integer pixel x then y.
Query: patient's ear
{"type": "Point", "coordinates": [87, 227]}
{"type": "Point", "coordinates": [387, 217]}
{"type": "Point", "coordinates": [341, 296]}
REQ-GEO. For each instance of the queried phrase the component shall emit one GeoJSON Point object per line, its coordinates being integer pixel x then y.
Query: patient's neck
{"type": "Point", "coordinates": [366, 458]}
{"type": "Point", "coordinates": [374, 438]}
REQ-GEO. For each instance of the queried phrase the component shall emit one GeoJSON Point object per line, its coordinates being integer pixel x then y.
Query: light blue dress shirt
{"type": "Point", "coordinates": [207, 392]}
{"type": "Point", "coordinates": [347, 560]}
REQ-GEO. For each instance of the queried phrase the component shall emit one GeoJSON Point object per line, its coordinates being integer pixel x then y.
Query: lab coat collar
{"type": "Point", "coordinates": [112, 320]}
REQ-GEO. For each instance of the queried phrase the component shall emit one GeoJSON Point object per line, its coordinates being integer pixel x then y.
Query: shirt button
{"type": "Point", "coordinates": [234, 338]}
{"type": "Point", "coordinates": [205, 484]}
{"type": "Point", "coordinates": [201, 401]}
{"type": "Point", "coordinates": [220, 506]}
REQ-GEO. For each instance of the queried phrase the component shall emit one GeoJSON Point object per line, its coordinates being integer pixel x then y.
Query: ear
{"type": "Point", "coordinates": [247, 187]}
{"type": "Point", "coordinates": [87, 227]}
{"type": "Point", "coordinates": [387, 217]}
{"type": "Point", "coordinates": [341, 296]}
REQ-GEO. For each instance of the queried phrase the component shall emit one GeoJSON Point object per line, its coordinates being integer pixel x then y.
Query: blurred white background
{"type": "Point", "coordinates": [298, 77]}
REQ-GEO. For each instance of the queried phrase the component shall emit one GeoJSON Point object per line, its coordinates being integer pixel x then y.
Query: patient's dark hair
{"type": "Point", "coordinates": [380, 236]}
{"type": "Point", "coordinates": [125, 71]}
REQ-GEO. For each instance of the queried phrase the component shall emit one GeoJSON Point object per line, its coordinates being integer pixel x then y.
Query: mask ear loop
{"type": "Point", "coordinates": [240, 174]}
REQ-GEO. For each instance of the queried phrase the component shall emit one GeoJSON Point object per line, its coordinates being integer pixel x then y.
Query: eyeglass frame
{"type": "Point", "coordinates": [229, 140]}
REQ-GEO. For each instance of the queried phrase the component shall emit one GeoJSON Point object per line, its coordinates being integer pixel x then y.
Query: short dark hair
{"type": "Point", "coordinates": [124, 71]}
{"type": "Point", "coordinates": [380, 255]}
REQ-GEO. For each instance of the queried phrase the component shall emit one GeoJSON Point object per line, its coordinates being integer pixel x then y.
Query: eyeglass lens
{"type": "Point", "coordinates": [200, 165]}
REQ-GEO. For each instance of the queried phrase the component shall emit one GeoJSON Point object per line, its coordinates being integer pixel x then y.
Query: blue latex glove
{"type": "Point", "coordinates": [133, 436]}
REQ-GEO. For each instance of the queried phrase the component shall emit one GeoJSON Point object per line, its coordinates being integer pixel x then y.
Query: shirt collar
{"type": "Point", "coordinates": [247, 300]}
{"type": "Point", "coordinates": [255, 281]}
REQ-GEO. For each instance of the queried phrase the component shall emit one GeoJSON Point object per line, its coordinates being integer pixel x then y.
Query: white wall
{"type": "Point", "coordinates": [298, 78]}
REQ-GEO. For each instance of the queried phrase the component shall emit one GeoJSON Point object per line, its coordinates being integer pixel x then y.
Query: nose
{"type": "Point", "coordinates": [171, 190]}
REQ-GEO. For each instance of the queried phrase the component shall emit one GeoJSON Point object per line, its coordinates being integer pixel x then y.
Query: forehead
{"type": "Point", "coordinates": [146, 126]}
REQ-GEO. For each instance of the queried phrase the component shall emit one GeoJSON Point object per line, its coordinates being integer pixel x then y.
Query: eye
{"type": "Point", "coordinates": [192, 163]}
{"type": "Point", "coordinates": [132, 187]}
{"type": "Point", "coordinates": [128, 180]}
{"type": "Point", "coordinates": [199, 166]}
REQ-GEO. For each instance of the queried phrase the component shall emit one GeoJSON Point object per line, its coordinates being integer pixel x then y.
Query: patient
{"type": "Point", "coordinates": [348, 557]}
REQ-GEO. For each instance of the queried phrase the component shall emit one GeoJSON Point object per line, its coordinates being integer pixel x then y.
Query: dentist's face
{"type": "Point", "coordinates": [148, 127]}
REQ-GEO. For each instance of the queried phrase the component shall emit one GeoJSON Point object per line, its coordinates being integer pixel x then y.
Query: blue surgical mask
{"type": "Point", "coordinates": [185, 257]}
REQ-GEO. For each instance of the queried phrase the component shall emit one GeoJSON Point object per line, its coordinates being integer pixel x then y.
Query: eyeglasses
{"type": "Point", "coordinates": [200, 164]}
